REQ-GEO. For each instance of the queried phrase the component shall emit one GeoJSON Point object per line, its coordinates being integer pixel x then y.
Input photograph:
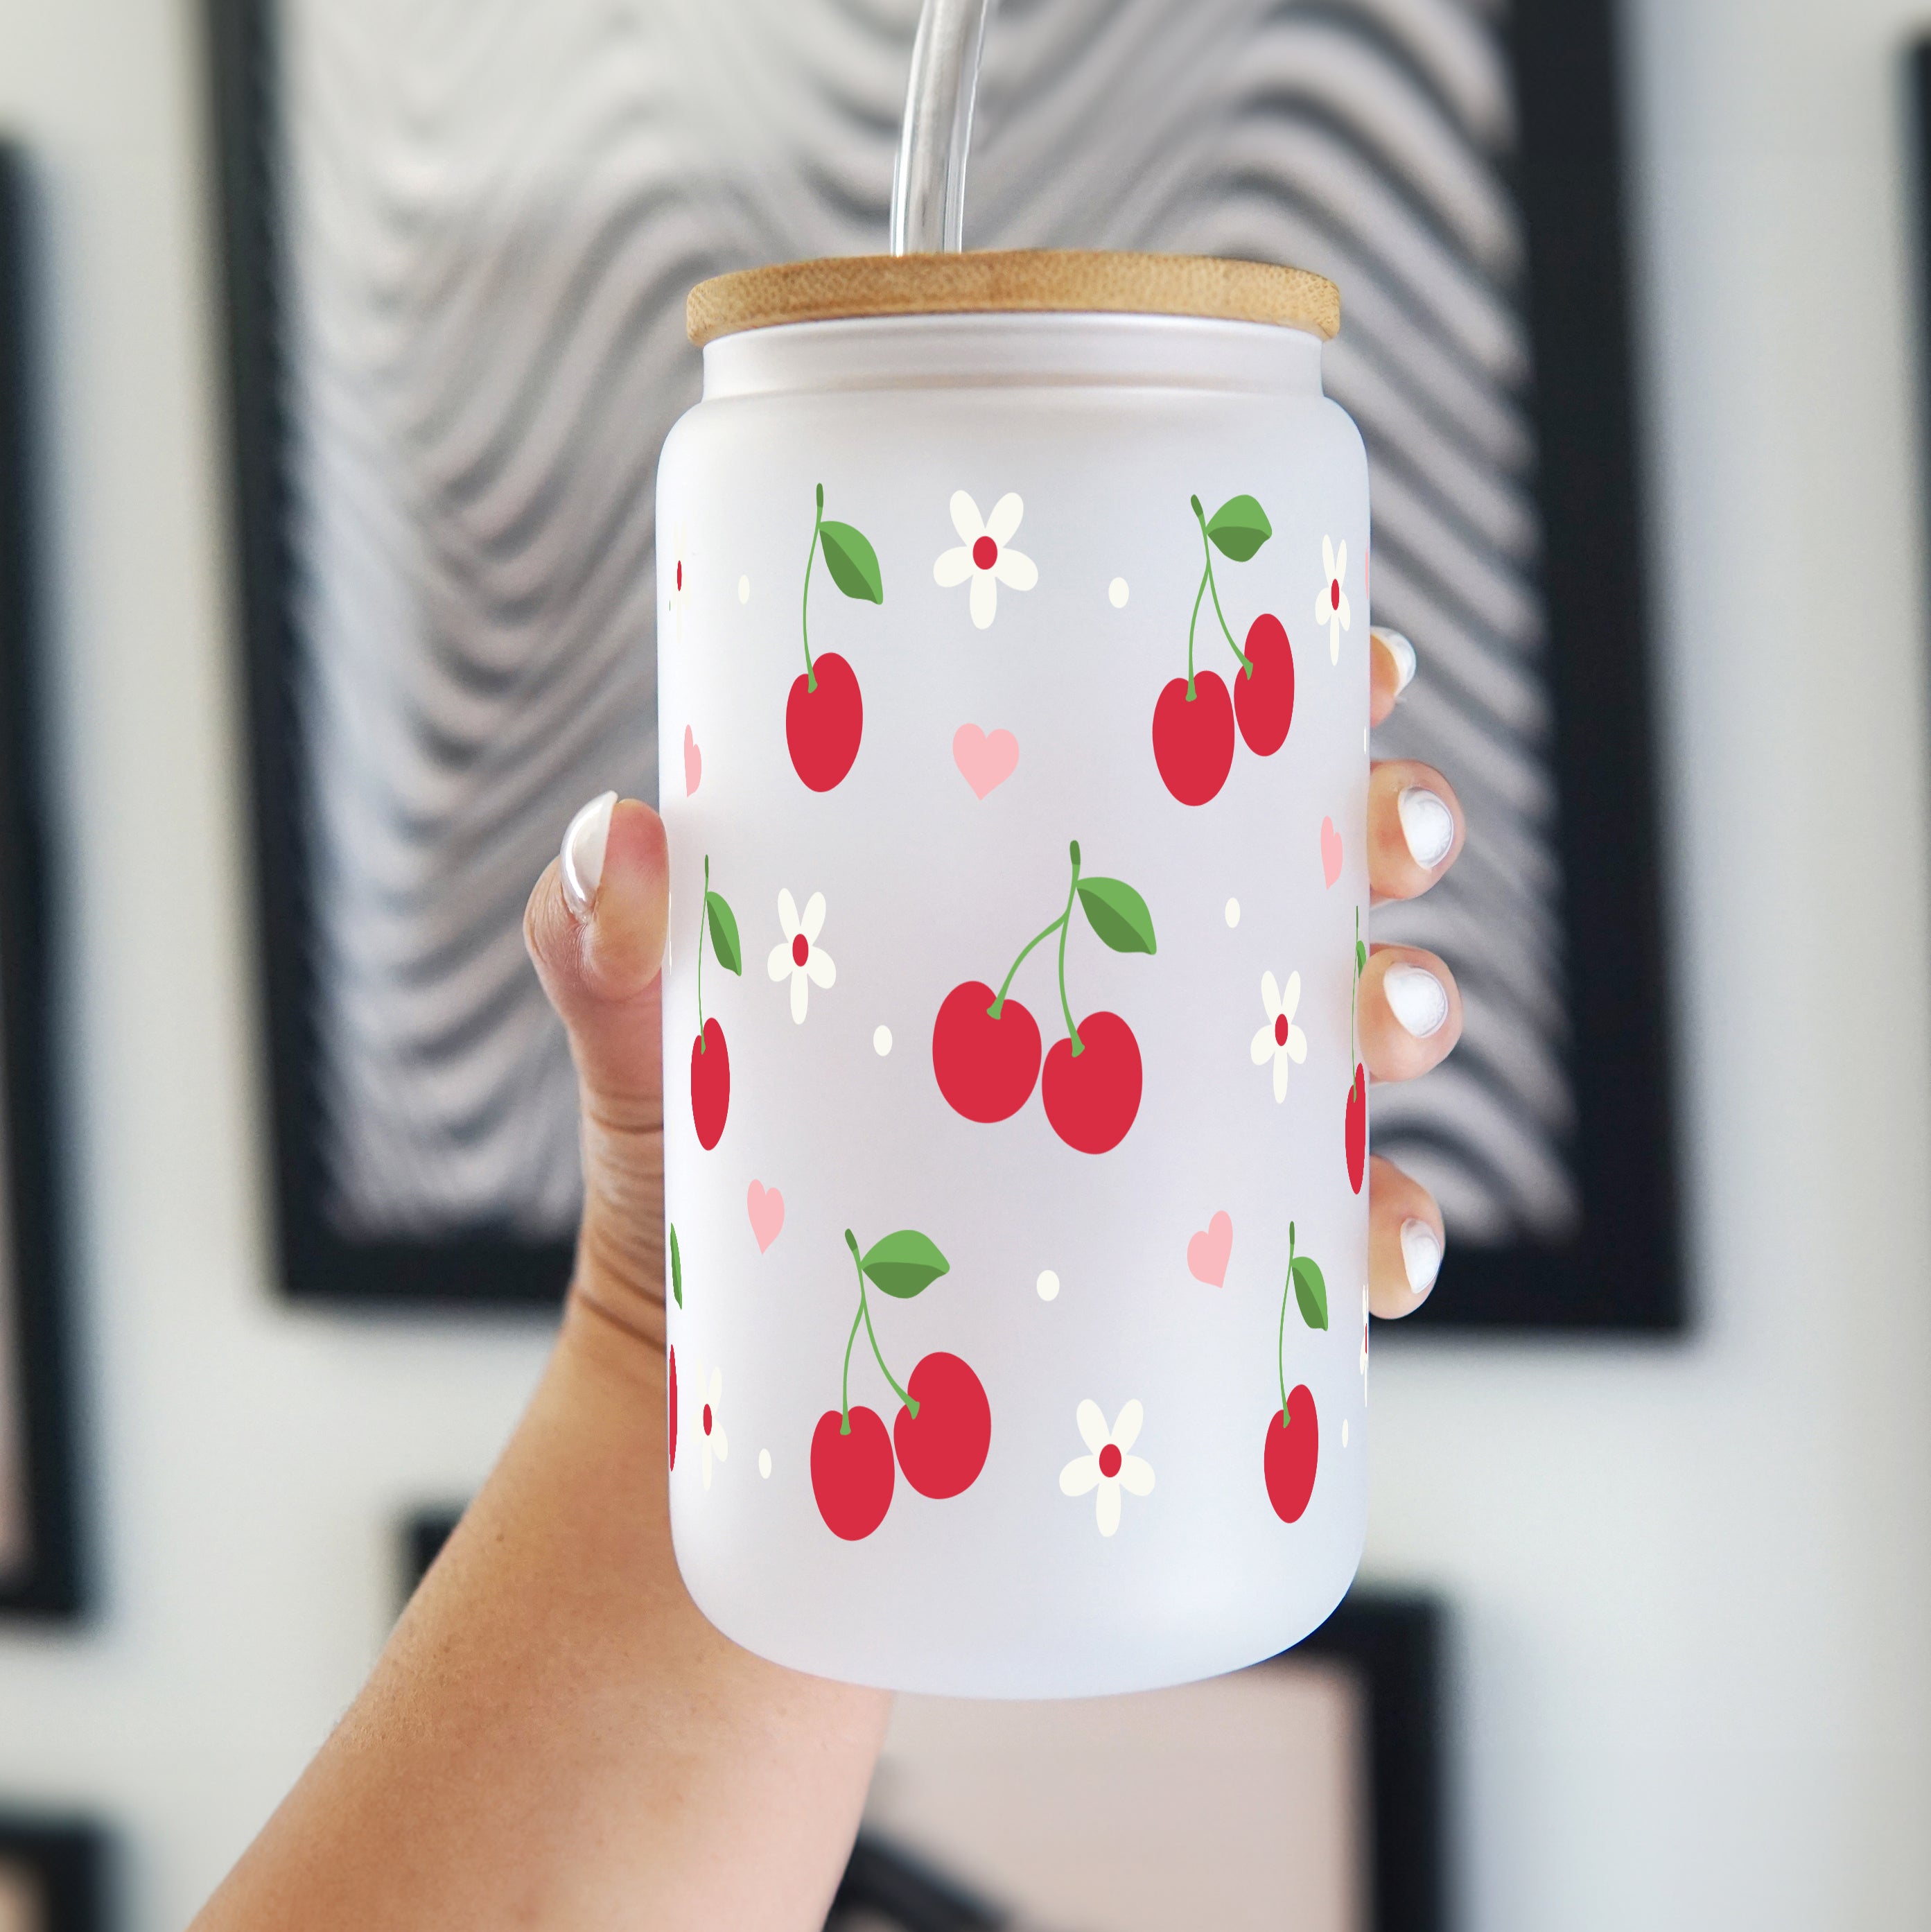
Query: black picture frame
{"type": "Point", "coordinates": [1620, 1270]}
{"type": "Point", "coordinates": [1393, 1640]}
{"type": "Point", "coordinates": [1393, 1643]}
{"type": "Point", "coordinates": [68, 1860]}
{"type": "Point", "coordinates": [32, 1278]}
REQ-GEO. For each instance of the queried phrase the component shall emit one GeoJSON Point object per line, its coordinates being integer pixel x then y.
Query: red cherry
{"type": "Point", "coordinates": [851, 1475]}
{"type": "Point", "coordinates": [985, 1066]}
{"type": "Point", "coordinates": [710, 1084]}
{"type": "Point", "coordinates": [1091, 1100]}
{"type": "Point", "coordinates": [1193, 743]}
{"type": "Point", "coordinates": [1357, 1133]}
{"type": "Point", "coordinates": [1293, 1452]}
{"type": "Point", "coordinates": [670, 1362]}
{"type": "Point", "coordinates": [1263, 699]}
{"type": "Point", "coordinates": [822, 727]}
{"type": "Point", "coordinates": [942, 1449]}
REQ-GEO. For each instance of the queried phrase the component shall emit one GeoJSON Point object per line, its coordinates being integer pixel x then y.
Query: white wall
{"type": "Point", "coordinates": [1694, 1581]}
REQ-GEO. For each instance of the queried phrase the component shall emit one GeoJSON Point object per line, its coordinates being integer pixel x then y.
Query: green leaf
{"type": "Point", "coordinates": [723, 933]}
{"type": "Point", "coordinates": [852, 561]}
{"type": "Point", "coordinates": [1310, 1292]}
{"type": "Point", "coordinates": [1118, 914]}
{"type": "Point", "coordinates": [905, 1264]}
{"type": "Point", "coordinates": [1360, 956]}
{"type": "Point", "coordinates": [676, 1267]}
{"type": "Point", "coordinates": [1239, 527]}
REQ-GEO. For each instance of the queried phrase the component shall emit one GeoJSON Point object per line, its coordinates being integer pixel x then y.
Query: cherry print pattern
{"type": "Point", "coordinates": [1193, 718]}
{"type": "Point", "coordinates": [1291, 1453]}
{"type": "Point", "coordinates": [824, 717]}
{"type": "Point", "coordinates": [710, 1059]}
{"type": "Point", "coordinates": [943, 1428]}
{"type": "Point", "coordinates": [1354, 1130]}
{"type": "Point", "coordinates": [985, 1045]}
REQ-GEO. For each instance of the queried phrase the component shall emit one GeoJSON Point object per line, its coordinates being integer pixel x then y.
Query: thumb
{"type": "Point", "coordinates": [595, 927]}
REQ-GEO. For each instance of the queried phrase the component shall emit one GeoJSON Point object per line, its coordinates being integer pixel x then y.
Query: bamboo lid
{"type": "Point", "coordinates": [1011, 281]}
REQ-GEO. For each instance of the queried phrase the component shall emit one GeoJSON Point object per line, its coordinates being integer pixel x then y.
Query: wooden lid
{"type": "Point", "coordinates": [1011, 281]}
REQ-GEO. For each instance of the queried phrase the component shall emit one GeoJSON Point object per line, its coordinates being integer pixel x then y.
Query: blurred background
{"type": "Point", "coordinates": [1684, 1578]}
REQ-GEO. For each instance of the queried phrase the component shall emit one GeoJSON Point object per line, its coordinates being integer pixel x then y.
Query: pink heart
{"type": "Point", "coordinates": [694, 763]}
{"type": "Point", "coordinates": [984, 762]}
{"type": "Point", "coordinates": [1208, 1251]}
{"type": "Point", "coordinates": [767, 1214]}
{"type": "Point", "coordinates": [1330, 850]}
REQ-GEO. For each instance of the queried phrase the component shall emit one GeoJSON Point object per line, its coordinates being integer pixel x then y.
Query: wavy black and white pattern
{"type": "Point", "coordinates": [493, 211]}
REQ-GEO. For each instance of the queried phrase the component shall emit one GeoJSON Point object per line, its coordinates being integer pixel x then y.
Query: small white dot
{"type": "Point", "coordinates": [1233, 912]}
{"type": "Point", "coordinates": [1116, 593]}
{"type": "Point", "coordinates": [881, 1041]}
{"type": "Point", "coordinates": [1049, 1285]}
{"type": "Point", "coordinates": [743, 590]}
{"type": "Point", "coordinates": [1343, 1439]}
{"type": "Point", "coordinates": [764, 1455]}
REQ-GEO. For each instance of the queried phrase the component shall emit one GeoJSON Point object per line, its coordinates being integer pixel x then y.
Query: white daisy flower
{"type": "Point", "coordinates": [984, 556]}
{"type": "Point", "coordinates": [1107, 1467]}
{"type": "Point", "coordinates": [677, 571]}
{"type": "Point", "coordinates": [799, 953]}
{"type": "Point", "coordinates": [1330, 606]}
{"type": "Point", "coordinates": [1280, 1039]}
{"type": "Point", "coordinates": [711, 1420]}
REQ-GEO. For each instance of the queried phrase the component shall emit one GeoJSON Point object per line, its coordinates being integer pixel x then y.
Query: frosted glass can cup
{"type": "Point", "coordinates": [1013, 690]}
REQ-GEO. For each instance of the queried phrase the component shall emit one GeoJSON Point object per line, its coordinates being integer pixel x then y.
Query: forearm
{"type": "Point", "coordinates": [554, 1735]}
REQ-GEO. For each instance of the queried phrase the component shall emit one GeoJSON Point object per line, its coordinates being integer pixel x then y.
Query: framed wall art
{"type": "Point", "coordinates": [1307, 1792]}
{"type": "Point", "coordinates": [52, 1877]}
{"type": "Point", "coordinates": [39, 1572]}
{"type": "Point", "coordinates": [459, 245]}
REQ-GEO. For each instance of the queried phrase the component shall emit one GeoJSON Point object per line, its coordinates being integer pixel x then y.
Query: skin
{"type": "Point", "coordinates": [554, 1735]}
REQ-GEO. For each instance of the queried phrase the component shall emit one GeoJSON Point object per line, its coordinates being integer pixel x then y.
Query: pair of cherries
{"type": "Point", "coordinates": [943, 1428]}
{"type": "Point", "coordinates": [1195, 718]}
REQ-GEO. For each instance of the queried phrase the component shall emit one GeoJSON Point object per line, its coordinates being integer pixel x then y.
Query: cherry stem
{"type": "Point", "coordinates": [1058, 925]}
{"type": "Point", "coordinates": [703, 910]}
{"type": "Point", "coordinates": [1066, 922]}
{"type": "Point", "coordinates": [1354, 993]}
{"type": "Point", "coordinates": [1281, 1342]}
{"type": "Point", "coordinates": [878, 1354]}
{"type": "Point", "coordinates": [804, 608]}
{"type": "Point", "coordinates": [1246, 662]}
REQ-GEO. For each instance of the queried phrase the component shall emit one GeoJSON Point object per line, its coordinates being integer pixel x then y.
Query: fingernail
{"type": "Point", "coordinates": [581, 861]}
{"type": "Point", "coordinates": [1417, 998]}
{"type": "Point", "coordinates": [1421, 1255]}
{"type": "Point", "coordinates": [1403, 652]}
{"type": "Point", "coordinates": [1427, 824]}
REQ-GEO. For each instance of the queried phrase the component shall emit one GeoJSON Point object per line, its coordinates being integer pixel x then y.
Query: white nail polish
{"type": "Point", "coordinates": [1421, 1255]}
{"type": "Point", "coordinates": [1403, 652]}
{"type": "Point", "coordinates": [1427, 824]}
{"type": "Point", "coordinates": [581, 861]}
{"type": "Point", "coordinates": [1416, 998]}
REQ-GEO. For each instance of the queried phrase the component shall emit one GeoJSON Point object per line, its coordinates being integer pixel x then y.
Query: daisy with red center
{"type": "Point", "coordinates": [710, 1419]}
{"type": "Point", "coordinates": [1108, 1467]}
{"type": "Point", "coordinates": [1280, 1039]}
{"type": "Point", "coordinates": [677, 568]}
{"type": "Point", "coordinates": [1331, 603]}
{"type": "Point", "coordinates": [799, 953]}
{"type": "Point", "coordinates": [984, 554]}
